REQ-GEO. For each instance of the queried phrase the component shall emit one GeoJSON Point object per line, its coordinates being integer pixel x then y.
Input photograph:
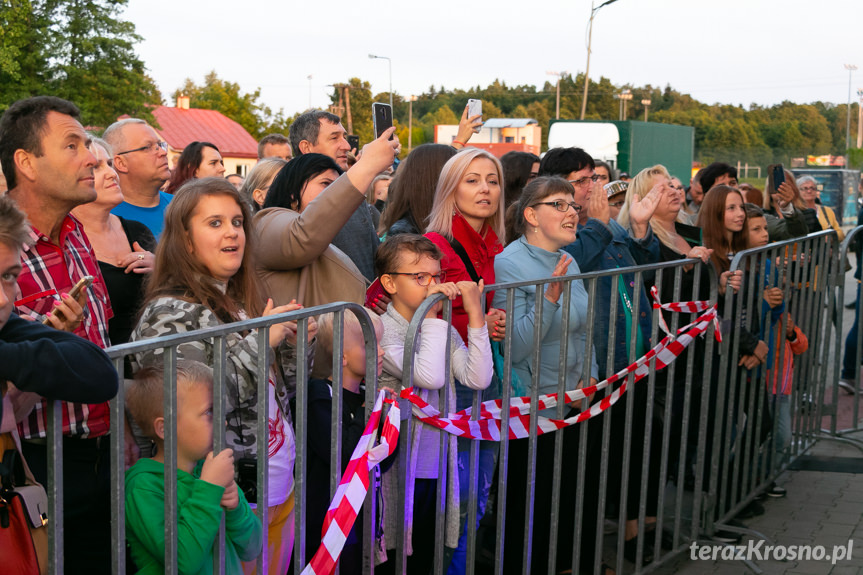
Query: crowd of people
{"type": "Point", "coordinates": [172, 251]}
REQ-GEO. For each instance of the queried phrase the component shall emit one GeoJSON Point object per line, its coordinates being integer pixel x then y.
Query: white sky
{"type": "Point", "coordinates": [727, 51]}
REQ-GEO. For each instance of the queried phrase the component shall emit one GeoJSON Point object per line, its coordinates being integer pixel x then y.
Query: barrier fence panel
{"type": "Point", "coordinates": [848, 348]}
{"type": "Point", "coordinates": [566, 467]}
{"type": "Point", "coordinates": [677, 437]}
{"type": "Point", "coordinates": [168, 346]}
{"type": "Point", "coordinates": [761, 419]}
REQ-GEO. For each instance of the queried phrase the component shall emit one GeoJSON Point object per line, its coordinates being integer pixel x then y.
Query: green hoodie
{"type": "Point", "coordinates": [199, 514]}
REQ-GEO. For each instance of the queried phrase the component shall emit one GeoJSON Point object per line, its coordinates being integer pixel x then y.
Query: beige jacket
{"type": "Point", "coordinates": [295, 259]}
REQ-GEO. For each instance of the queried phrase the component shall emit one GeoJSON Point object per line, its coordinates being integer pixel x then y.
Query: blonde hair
{"type": "Point", "coordinates": [370, 193]}
{"type": "Point", "coordinates": [145, 395]}
{"type": "Point", "coordinates": [352, 331]}
{"type": "Point", "coordinates": [641, 185]}
{"type": "Point", "coordinates": [440, 218]}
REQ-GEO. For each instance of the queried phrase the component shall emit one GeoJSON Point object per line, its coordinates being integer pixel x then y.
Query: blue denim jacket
{"type": "Point", "coordinates": [599, 247]}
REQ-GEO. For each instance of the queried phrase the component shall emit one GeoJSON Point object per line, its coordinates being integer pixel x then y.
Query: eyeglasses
{"type": "Point", "coordinates": [422, 278]}
{"type": "Point", "coordinates": [152, 148]}
{"type": "Point", "coordinates": [615, 204]}
{"type": "Point", "coordinates": [560, 205]}
{"type": "Point", "coordinates": [585, 181]}
{"type": "Point", "coordinates": [809, 188]}
{"type": "Point", "coordinates": [602, 177]}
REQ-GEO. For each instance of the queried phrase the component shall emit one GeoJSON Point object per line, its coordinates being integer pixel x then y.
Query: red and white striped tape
{"type": "Point", "coordinates": [487, 426]}
{"type": "Point", "coordinates": [683, 307]}
{"type": "Point", "coordinates": [346, 505]}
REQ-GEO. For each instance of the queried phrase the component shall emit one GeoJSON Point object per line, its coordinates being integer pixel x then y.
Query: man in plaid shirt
{"type": "Point", "coordinates": [44, 152]}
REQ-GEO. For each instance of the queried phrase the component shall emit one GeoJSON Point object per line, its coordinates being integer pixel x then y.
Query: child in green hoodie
{"type": "Point", "coordinates": [204, 491]}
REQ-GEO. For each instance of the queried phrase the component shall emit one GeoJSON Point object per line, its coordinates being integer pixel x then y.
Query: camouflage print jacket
{"type": "Point", "coordinates": [167, 316]}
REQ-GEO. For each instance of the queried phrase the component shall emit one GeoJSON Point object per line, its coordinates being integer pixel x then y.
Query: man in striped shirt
{"type": "Point", "coordinates": [44, 152]}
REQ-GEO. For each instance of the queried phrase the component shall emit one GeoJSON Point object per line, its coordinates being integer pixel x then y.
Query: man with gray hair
{"type": "Point", "coordinates": [275, 146]}
{"type": "Point", "coordinates": [141, 161]}
{"type": "Point", "coordinates": [319, 132]}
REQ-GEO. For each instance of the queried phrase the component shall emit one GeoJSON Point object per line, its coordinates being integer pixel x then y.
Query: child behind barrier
{"type": "Point", "coordinates": [205, 491]}
{"type": "Point", "coordinates": [779, 377]}
{"type": "Point", "coordinates": [319, 439]}
{"type": "Point", "coordinates": [409, 269]}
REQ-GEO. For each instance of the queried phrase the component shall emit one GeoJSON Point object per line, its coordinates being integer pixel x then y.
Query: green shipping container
{"type": "Point", "coordinates": [639, 144]}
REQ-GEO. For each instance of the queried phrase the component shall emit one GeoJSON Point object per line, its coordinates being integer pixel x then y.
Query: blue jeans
{"type": "Point", "coordinates": [849, 369]}
{"type": "Point", "coordinates": [488, 451]}
{"type": "Point", "coordinates": [782, 414]}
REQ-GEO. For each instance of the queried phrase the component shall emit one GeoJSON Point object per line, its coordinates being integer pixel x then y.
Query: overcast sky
{"type": "Point", "coordinates": [727, 51]}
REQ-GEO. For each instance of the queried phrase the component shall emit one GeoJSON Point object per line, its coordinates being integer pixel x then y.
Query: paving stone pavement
{"type": "Point", "coordinates": [821, 508]}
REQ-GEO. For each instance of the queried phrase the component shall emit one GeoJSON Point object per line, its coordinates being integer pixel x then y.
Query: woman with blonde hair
{"type": "Point", "coordinates": [467, 224]}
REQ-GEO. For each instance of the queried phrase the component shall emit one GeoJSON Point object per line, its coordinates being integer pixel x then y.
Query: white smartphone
{"type": "Point", "coordinates": [474, 108]}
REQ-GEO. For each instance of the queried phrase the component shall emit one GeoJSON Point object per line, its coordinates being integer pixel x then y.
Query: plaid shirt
{"type": "Point", "coordinates": [49, 270]}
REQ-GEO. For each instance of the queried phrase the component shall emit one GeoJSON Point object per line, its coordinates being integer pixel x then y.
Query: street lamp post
{"type": "Point", "coordinates": [624, 96]}
{"type": "Point", "coordinates": [310, 90]}
{"type": "Point", "coordinates": [557, 89]}
{"type": "Point", "coordinates": [411, 100]}
{"type": "Point", "coordinates": [850, 68]}
{"type": "Point", "coordinates": [646, 104]}
{"type": "Point", "coordinates": [373, 57]}
{"type": "Point", "coordinates": [593, 12]}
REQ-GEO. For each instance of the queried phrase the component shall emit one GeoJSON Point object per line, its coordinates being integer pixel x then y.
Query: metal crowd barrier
{"type": "Point", "coordinates": [695, 430]}
{"type": "Point", "coordinates": [679, 507]}
{"type": "Point", "coordinates": [217, 335]}
{"type": "Point", "coordinates": [744, 456]}
{"type": "Point", "coordinates": [846, 344]}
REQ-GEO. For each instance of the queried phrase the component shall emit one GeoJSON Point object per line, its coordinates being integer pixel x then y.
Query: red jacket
{"type": "Point", "coordinates": [481, 251]}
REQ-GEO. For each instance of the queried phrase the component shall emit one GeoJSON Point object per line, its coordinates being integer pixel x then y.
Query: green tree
{"type": "Point", "coordinates": [23, 61]}
{"type": "Point", "coordinates": [80, 50]}
{"type": "Point", "coordinates": [226, 97]}
{"type": "Point", "coordinates": [96, 65]}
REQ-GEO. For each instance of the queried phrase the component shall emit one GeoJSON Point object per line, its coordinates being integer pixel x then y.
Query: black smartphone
{"type": "Point", "coordinates": [778, 176]}
{"type": "Point", "coordinates": [382, 116]}
{"type": "Point", "coordinates": [354, 142]}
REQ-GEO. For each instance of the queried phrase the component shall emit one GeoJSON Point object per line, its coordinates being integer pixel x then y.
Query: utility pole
{"type": "Point", "coordinates": [347, 89]}
{"type": "Point", "coordinates": [557, 89]}
{"type": "Point", "coordinates": [860, 119]}
{"type": "Point", "coordinates": [850, 68]}
{"type": "Point", "coordinates": [411, 100]}
{"type": "Point", "coordinates": [646, 104]}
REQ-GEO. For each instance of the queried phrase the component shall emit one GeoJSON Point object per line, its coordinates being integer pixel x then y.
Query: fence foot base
{"type": "Point", "coordinates": [827, 435]}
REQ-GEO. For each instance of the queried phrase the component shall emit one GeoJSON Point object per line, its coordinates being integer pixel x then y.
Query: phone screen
{"type": "Point", "coordinates": [354, 142]}
{"type": "Point", "coordinates": [778, 176]}
{"type": "Point", "coordinates": [382, 116]}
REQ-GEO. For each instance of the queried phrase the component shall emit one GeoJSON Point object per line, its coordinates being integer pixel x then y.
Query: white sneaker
{"type": "Point", "coordinates": [847, 386]}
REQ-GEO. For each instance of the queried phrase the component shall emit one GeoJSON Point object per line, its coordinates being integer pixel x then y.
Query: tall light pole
{"type": "Point", "coordinates": [373, 57]}
{"type": "Point", "coordinates": [411, 100]}
{"type": "Point", "coordinates": [850, 68]}
{"type": "Point", "coordinates": [593, 12]}
{"type": "Point", "coordinates": [310, 90]}
{"type": "Point", "coordinates": [557, 107]}
{"type": "Point", "coordinates": [624, 96]}
{"type": "Point", "coordinates": [646, 104]}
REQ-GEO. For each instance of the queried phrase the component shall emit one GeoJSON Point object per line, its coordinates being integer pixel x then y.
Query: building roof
{"type": "Point", "coordinates": [508, 123]}
{"type": "Point", "coordinates": [180, 127]}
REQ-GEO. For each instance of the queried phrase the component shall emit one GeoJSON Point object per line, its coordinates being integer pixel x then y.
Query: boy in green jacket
{"type": "Point", "coordinates": [204, 491]}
